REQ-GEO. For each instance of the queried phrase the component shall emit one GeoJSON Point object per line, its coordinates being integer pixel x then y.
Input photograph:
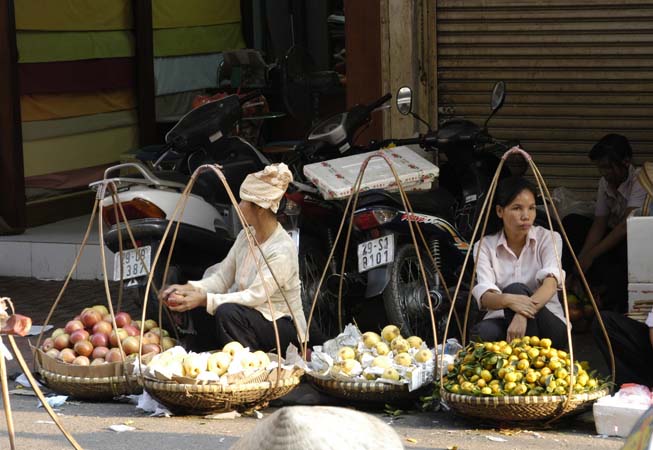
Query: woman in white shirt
{"type": "Point", "coordinates": [234, 292]}
{"type": "Point", "coordinates": [518, 272]}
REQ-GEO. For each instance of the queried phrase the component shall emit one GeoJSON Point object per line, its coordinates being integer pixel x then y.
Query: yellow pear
{"type": "Point", "coordinates": [423, 355]}
{"type": "Point", "coordinates": [399, 345]}
{"type": "Point", "coordinates": [415, 341]}
{"type": "Point", "coordinates": [369, 376]}
{"type": "Point", "coordinates": [349, 366]}
{"type": "Point", "coordinates": [390, 332]}
{"type": "Point", "coordinates": [370, 339]}
{"type": "Point", "coordinates": [262, 358]}
{"type": "Point", "coordinates": [346, 353]}
{"type": "Point", "coordinates": [403, 359]}
{"type": "Point", "coordinates": [218, 363]}
{"type": "Point", "coordinates": [382, 348]}
{"type": "Point", "coordinates": [232, 348]}
{"type": "Point", "coordinates": [391, 374]}
{"type": "Point", "coordinates": [249, 361]}
{"type": "Point", "coordinates": [382, 361]}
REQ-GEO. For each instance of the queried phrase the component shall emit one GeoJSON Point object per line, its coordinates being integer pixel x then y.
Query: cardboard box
{"type": "Point", "coordinates": [336, 178]}
{"type": "Point", "coordinates": [640, 297]}
{"type": "Point", "coordinates": [640, 249]}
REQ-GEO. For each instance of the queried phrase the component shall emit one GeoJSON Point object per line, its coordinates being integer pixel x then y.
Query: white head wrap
{"type": "Point", "coordinates": [266, 188]}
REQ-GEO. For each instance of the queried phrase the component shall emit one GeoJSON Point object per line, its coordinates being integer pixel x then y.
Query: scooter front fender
{"type": "Point", "coordinates": [377, 280]}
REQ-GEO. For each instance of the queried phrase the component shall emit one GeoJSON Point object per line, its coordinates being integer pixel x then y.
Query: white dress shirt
{"type": "Point", "coordinates": [613, 203]}
{"type": "Point", "coordinates": [236, 279]}
{"type": "Point", "coordinates": [499, 267]}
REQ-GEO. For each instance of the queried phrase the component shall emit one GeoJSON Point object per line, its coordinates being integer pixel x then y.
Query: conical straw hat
{"type": "Point", "coordinates": [645, 177]}
{"type": "Point", "coordinates": [319, 428]}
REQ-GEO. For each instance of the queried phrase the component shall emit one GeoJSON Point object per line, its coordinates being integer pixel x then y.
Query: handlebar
{"type": "Point", "coordinates": [375, 104]}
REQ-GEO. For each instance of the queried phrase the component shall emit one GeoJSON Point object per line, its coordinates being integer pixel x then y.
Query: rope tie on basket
{"type": "Point", "coordinates": [253, 246]}
{"type": "Point", "coordinates": [548, 201]}
{"type": "Point", "coordinates": [352, 202]}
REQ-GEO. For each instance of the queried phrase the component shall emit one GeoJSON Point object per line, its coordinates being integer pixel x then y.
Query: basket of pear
{"type": "Point", "coordinates": [372, 368]}
{"type": "Point", "coordinates": [524, 380]}
{"type": "Point", "coordinates": [89, 359]}
{"type": "Point", "coordinates": [224, 380]}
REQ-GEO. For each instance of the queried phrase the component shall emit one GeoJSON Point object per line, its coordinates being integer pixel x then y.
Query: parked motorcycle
{"type": "Point", "coordinates": [209, 224]}
{"type": "Point", "coordinates": [446, 216]}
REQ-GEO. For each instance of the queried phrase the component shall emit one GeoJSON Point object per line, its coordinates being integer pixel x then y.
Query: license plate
{"type": "Point", "coordinates": [132, 267]}
{"type": "Point", "coordinates": [376, 252]}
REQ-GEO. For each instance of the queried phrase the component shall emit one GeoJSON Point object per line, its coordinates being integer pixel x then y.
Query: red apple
{"type": "Point", "coordinates": [122, 319]}
{"type": "Point", "coordinates": [149, 324]}
{"type": "Point", "coordinates": [73, 325]}
{"type": "Point", "coordinates": [99, 352]}
{"type": "Point", "coordinates": [62, 341]}
{"type": "Point", "coordinates": [78, 335]}
{"type": "Point", "coordinates": [81, 361]}
{"type": "Point", "coordinates": [83, 348]}
{"type": "Point", "coordinates": [67, 355]}
{"type": "Point", "coordinates": [47, 344]}
{"type": "Point", "coordinates": [131, 330]}
{"type": "Point", "coordinates": [99, 340]}
{"type": "Point", "coordinates": [116, 335]}
{"type": "Point", "coordinates": [149, 348]}
{"type": "Point", "coordinates": [167, 342]}
{"type": "Point", "coordinates": [130, 345]}
{"type": "Point", "coordinates": [114, 355]}
{"type": "Point", "coordinates": [101, 309]}
{"type": "Point", "coordinates": [90, 317]}
{"type": "Point", "coordinates": [53, 353]}
{"type": "Point", "coordinates": [97, 361]}
{"type": "Point", "coordinates": [151, 338]}
{"type": "Point", "coordinates": [103, 327]}
{"type": "Point", "coordinates": [57, 332]}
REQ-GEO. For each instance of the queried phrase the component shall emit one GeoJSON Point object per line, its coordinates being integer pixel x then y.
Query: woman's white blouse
{"type": "Point", "coordinates": [236, 279]}
{"type": "Point", "coordinates": [499, 267]}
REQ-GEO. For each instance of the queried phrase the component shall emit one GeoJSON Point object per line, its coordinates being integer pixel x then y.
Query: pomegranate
{"type": "Point", "coordinates": [103, 327]}
{"type": "Point", "coordinates": [99, 352]}
{"type": "Point", "coordinates": [99, 340]}
{"type": "Point", "coordinates": [78, 335]}
{"type": "Point", "coordinates": [67, 355]}
{"type": "Point", "coordinates": [73, 325]}
{"type": "Point", "coordinates": [84, 348]}
{"type": "Point", "coordinates": [122, 319]}
{"type": "Point", "coordinates": [90, 317]}
{"type": "Point", "coordinates": [62, 341]}
{"type": "Point", "coordinates": [81, 361]}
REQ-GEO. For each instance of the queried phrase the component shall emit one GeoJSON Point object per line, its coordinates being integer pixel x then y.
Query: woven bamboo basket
{"type": "Point", "coordinates": [87, 388]}
{"type": "Point", "coordinates": [201, 399]}
{"type": "Point", "coordinates": [373, 393]}
{"type": "Point", "coordinates": [518, 408]}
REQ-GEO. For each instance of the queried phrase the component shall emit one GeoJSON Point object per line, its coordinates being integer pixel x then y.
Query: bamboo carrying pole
{"type": "Point", "coordinates": [548, 203]}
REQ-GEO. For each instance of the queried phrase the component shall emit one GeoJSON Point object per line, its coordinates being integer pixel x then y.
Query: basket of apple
{"type": "Point", "coordinates": [90, 359]}
{"type": "Point", "coordinates": [371, 367]}
{"type": "Point", "coordinates": [209, 382]}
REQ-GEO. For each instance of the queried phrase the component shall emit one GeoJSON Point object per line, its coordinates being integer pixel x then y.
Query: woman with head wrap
{"type": "Point", "coordinates": [233, 290]}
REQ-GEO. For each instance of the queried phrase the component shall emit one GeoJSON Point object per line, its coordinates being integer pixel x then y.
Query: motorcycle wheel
{"type": "Point", "coordinates": [312, 258]}
{"type": "Point", "coordinates": [405, 300]}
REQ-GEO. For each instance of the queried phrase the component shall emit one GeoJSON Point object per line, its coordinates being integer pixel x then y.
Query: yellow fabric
{"type": "Point", "coordinates": [77, 151]}
{"type": "Point", "coordinates": [48, 46]}
{"type": "Point", "coordinates": [44, 129]}
{"type": "Point", "coordinates": [73, 15]}
{"type": "Point", "coordinates": [194, 13]}
{"type": "Point", "coordinates": [58, 106]}
{"type": "Point", "coordinates": [266, 187]}
{"type": "Point", "coordinates": [194, 40]}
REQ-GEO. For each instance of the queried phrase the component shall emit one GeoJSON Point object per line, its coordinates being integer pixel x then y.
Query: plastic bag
{"type": "Point", "coordinates": [569, 203]}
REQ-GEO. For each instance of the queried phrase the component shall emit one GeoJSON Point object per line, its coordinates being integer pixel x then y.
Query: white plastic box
{"type": "Point", "coordinates": [640, 249]}
{"type": "Point", "coordinates": [336, 178]}
{"type": "Point", "coordinates": [617, 419]}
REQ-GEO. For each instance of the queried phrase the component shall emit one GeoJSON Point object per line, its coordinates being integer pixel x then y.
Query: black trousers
{"type": "Point", "coordinates": [545, 323]}
{"type": "Point", "coordinates": [609, 269]}
{"type": "Point", "coordinates": [246, 325]}
{"type": "Point", "coordinates": [631, 346]}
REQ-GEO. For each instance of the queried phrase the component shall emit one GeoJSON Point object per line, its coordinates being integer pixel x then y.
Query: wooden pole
{"type": "Point", "coordinates": [12, 177]}
{"type": "Point", "coordinates": [144, 54]}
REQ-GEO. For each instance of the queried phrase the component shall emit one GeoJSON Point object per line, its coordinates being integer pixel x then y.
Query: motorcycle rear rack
{"type": "Point", "coordinates": [149, 179]}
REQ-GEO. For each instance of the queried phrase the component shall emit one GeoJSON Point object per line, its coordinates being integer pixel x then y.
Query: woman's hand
{"type": "Point", "coordinates": [522, 304]}
{"type": "Point", "coordinates": [586, 260]}
{"type": "Point", "coordinates": [185, 298]}
{"type": "Point", "coordinates": [517, 327]}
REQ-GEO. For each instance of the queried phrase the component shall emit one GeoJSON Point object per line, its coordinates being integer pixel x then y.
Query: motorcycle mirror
{"type": "Point", "coordinates": [498, 95]}
{"type": "Point", "coordinates": [404, 100]}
